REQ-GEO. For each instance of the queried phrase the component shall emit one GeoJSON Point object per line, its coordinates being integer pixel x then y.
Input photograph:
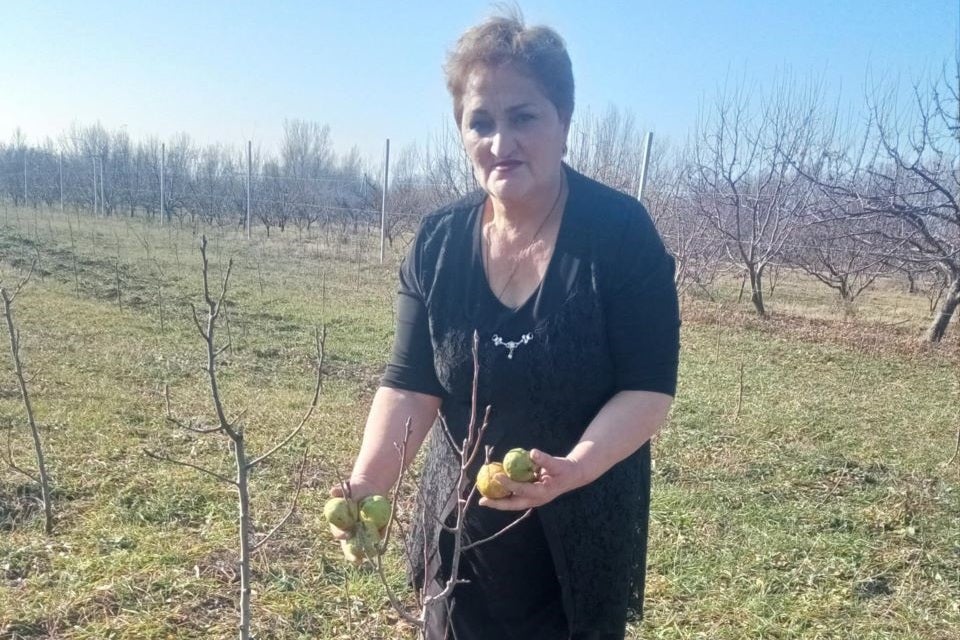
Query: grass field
{"type": "Point", "coordinates": [816, 504]}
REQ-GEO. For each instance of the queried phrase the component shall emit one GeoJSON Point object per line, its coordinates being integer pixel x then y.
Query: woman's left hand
{"type": "Point", "coordinates": [557, 476]}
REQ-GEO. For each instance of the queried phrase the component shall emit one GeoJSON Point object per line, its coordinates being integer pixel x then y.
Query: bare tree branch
{"type": "Point", "coordinates": [293, 506]}
{"type": "Point", "coordinates": [184, 463]}
{"type": "Point", "coordinates": [320, 337]}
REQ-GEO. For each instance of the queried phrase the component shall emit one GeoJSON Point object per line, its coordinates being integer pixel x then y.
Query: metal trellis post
{"type": "Point", "coordinates": [383, 202]}
{"type": "Point", "coordinates": [644, 164]}
{"type": "Point", "coordinates": [163, 160]}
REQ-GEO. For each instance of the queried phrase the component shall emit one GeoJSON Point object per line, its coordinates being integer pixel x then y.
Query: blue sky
{"type": "Point", "coordinates": [232, 71]}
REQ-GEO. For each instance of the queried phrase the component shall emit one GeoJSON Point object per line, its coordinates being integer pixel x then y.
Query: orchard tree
{"type": "Point", "coordinates": [901, 180]}
{"type": "Point", "coordinates": [743, 179]}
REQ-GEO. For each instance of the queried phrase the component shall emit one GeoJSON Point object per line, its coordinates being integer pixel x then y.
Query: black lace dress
{"type": "Point", "coordinates": [604, 319]}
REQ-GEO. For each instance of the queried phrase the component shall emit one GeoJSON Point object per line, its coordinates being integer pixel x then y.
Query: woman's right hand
{"type": "Point", "coordinates": [359, 488]}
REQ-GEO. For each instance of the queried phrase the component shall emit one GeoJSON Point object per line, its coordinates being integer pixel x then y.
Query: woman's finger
{"type": "Point", "coordinates": [524, 495]}
{"type": "Point", "coordinates": [544, 460]}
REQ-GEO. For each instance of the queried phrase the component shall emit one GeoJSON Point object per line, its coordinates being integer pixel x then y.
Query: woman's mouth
{"type": "Point", "coordinates": [506, 165]}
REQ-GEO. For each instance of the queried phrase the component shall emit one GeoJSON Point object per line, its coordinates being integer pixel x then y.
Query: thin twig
{"type": "Point", "coordinates": [736, 415]}
{"type": "Point", "coordinates": [956, 451]}
{"type": "Point", "coordinates": [394, 601]}
{"type": "Point", "coordinates": [448, 434]}
{"type": "Point", "coordinates": [196, 321]}
{"type": "Point", "coordinates": [184, 463]}
{"type": "Point", "coordinates": [843, 474]}
{"type": "Point", "coordinates": [11, 295]}
{"type": "Point", "coordinates": [320, 337]}
{"type": "Point", "coordinates": [9, 457]}
{"type": "Point", "coordinates": [402, 452]}
{"type": "Point", "coordinates": [191, 428]}
{"type": "Point", "coordinates": [293, 506]}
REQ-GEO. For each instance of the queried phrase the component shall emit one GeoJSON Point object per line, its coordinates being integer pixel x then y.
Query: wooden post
{"type": "Point", "coordinates": [383, 202]}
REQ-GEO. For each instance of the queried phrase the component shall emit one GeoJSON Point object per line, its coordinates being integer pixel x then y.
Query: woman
{"type": "Point", "coordinates": [571, 292]}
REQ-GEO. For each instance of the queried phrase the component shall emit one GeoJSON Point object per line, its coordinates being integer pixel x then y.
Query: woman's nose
{"type": "Point", "coordinates": [501, 145]}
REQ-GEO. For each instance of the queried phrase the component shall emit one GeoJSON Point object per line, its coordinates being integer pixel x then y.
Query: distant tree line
{"type": "Point", "coordinates": [106, 172]}
{"type": "Point", "coordinates": [766, 180]}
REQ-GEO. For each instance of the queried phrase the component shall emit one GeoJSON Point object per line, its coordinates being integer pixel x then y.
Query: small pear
{"type": "Point", "coordinates": [362, 544]}
{"type": "Point", "coordinates": [369, 535]}
{"type": "Point", "coordinates": [487, 483]}
{"type": "Point", "coordinates": [518, 466]}
{"type": "Point", "coordinates": [341, 513]}
{"type": "Point", "coordinates": [353, 550]}
{"type": "Point", "coordinates": [375, 509]}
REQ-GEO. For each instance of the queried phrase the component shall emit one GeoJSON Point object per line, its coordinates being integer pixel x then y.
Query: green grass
{"type": "Point", "coordinates": [822, 509]}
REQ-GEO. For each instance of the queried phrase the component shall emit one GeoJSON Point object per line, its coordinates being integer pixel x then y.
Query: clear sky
{"type": "Point", "coordinates": [232, 71]}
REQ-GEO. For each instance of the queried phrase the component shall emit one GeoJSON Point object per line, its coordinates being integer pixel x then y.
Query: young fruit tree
{"type": "Point", "coordinates": [364, 526]}
{"type": "Point", "coordinates": [42, 477]}
{"type": "Point", "coordinates": [233, 430]}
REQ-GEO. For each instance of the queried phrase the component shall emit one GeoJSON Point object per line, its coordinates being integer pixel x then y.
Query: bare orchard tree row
{"type": "Point", "coordinates": [96, 170]}
{"type": "Point", "coordinates": [766, 179]}
{"type": "Point", "coordinates": [778, 179]}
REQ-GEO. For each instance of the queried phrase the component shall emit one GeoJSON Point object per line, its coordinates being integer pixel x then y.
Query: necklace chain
{"type": "Point", "coordinates": [536, 234]}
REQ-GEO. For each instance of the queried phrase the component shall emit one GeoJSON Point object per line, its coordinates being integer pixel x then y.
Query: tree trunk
{"type": "Point", "coordinates": [846, 293]}
{"type": "Point", "coordinates": [756, 288]}
{"type": "Point", "coordinates": [939, 326]}
{"type": "Point", "coordinates": [912, 283]}
{"type": "Point", "coordinates": [44, 478]}
{"type": "Point", "coordinates": [243, 492]}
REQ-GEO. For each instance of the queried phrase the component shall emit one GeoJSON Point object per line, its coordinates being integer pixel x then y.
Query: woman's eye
{"type": "Point", "coordinates": [523, 118]}
{"type": "Point", "coordinates": [481, 126]}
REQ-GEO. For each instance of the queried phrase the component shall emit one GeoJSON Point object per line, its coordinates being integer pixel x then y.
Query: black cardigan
{"type": "Point", "coordinates": [604, 319]}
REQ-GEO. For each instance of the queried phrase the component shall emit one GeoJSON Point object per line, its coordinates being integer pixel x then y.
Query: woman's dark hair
{"type": "Point", "coordinates": [538, 52]}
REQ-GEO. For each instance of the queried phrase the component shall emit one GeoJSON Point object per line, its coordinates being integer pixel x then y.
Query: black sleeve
{"type": "Point", "coordinates": [411, 366]}
{"type": "Point", "coordinates": [643, 315]}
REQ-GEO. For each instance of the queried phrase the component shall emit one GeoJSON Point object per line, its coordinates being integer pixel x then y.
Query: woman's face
{"type": "Point", "coordinates": [512, 133]}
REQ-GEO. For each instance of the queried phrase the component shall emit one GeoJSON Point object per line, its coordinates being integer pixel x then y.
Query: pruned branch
{"type": "Point", "coordinates": [320, 337]}
{"type": "Point", "coordinates": [184, 463]}
{"type": "Point", "coordinates": [499, 533]}
{"type": "Point", "coordinates": [191, 428]}
{"type": "Point", "coordinates": [293, 506]}
{"type": "Point", "coordinates": [9, 458]}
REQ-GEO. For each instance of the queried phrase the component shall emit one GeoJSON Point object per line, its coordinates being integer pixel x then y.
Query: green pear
{"type": "Point", "coordinates": [518, 466]}
{"type": "Point", "coordinates": [341, 513]}
{"type": "Point", "coordinates": [375, 509]}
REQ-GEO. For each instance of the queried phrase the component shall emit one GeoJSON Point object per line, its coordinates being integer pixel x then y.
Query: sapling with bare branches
{"type": "Point", "coordinates": [159, 274]}
{"type": "Point", "coordinates": [42, 477]}
{"type": "Point", "coordinates": [430, 605]}
{"type": "Point", "coordinates": [73, 254]}
{"type": "Point", "coordinates": [233, 430]}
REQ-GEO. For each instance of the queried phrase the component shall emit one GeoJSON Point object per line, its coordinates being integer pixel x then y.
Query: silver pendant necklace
{"type": "Point", "coordinates": [512, 344]}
